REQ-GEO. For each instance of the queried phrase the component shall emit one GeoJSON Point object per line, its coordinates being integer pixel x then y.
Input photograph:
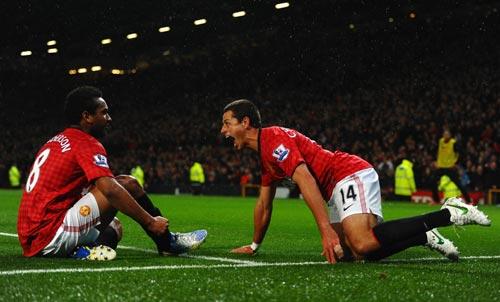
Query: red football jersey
{"type": "Point", "coordinates": [282, 150]}
{"type": "Point", "coordinates": [64, 167]}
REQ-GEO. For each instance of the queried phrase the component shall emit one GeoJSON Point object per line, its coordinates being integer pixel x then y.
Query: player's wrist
{"type": "Point", "coordinates": [254, 246]}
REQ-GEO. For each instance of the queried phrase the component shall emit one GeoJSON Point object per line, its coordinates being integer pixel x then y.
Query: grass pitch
{"type": "Point", "coordinates": [289, 266]}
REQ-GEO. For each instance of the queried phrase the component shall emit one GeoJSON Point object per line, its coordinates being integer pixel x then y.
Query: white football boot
{"type": "Point", "coordinates": [436, 242]}
{"type": "Point", "coordinates": [463, 214]}
{"type": "Point", "coordinates": [185, 242]}
{"type": "Point", "coordinates": [96, 253]}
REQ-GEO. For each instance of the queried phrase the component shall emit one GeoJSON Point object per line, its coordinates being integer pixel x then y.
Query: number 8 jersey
{"type": "Point", "coordinates": [63, 169]}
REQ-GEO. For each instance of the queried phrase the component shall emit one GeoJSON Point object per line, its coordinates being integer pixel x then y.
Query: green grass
{"type": "Point", "coordinates": [292, 237]}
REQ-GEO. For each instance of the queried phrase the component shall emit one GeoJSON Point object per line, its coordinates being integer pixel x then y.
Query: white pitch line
{"type": "Point", "coordinates": [239, 263]}
{"type": "Point", "coordinates": [220, 259]}
{"type": "Point", "coordinates": [155, 267]}
{"type": "Point", "coordinates": [8, 234]}
{"type": "Point", "coordinates": [133, 248]}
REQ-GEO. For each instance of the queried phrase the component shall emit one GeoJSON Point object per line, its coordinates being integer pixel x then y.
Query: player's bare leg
{"type": "Point", "coordinates": [357, 230]}
{"type": "Point", "coordinates": [348, 254]}
{"type": "Point", "coordinates": [375, 242]}
{"type": "Point", "coordinates": [110, 228]}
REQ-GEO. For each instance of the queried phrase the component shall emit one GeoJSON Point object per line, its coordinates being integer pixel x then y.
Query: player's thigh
{"type": "Point", "coordinates": [78, 228]}
{"type": "Point", "coordinates": [357, 230]}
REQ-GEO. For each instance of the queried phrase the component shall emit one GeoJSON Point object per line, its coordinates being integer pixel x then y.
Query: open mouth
{"type": "Point", "coordinates": [230, 140]}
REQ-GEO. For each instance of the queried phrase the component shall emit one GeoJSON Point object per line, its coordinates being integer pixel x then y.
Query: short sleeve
{"type": "Point", "coordinates": [282, 154]}
{"type": "Point", "coordinates": [92, 158]}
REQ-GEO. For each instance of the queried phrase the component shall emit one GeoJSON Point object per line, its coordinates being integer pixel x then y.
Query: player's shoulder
{"type": "Point", "coordinates": [277, 131]}
{"type": "Point", "coordinates": [81, 139]}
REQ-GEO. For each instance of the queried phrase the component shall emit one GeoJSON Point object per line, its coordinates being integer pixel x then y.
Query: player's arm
{"type": "Point", "coordinates": [261, 219]}
{"type": "Point", "coordinates": [119, 198]}
{"type": "Point", "coordinates": [314, 200]}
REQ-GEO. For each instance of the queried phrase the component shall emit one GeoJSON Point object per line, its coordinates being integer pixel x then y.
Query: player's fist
{"type": "Point", "coordinates": [246, 249]}
{"type": "Point", "coordinates": [158, 225]}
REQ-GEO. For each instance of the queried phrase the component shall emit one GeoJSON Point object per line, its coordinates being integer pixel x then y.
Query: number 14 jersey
{"type": "Point", "coordinates": [64, 167]}
{"type": "Point", "coordinates": [282, 150]}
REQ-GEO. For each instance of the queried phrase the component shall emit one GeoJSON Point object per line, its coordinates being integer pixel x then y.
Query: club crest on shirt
{"type": "Point", "coordinates": [85, 210]}
{"type": "Point", "coordinates": [101, 160]}
{"type": "Point", "coordinates": [281, 153]}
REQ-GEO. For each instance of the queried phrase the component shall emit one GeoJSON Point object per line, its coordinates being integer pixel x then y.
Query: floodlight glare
{"type": "Point", "coordinates": [51, 43]}
{"type": "Point", "coordinates": [239, 14]}
{"type": "Point", "coordinates": [282, 5]}
{"type": "Point", "coordinates": [52, 50]}
{"type": "Point", "coordinates": [105, 41]}
{"type": "Point", "coordinates": [164, 29]}
{"type": "Point", "coordinates": [95, 68]}
{"type": "Point", "coordinates": [26, 53]}
{"type": "Point", "coordinates": [200, 21]}
{"type": "Point", "coordinates": [131, 36]}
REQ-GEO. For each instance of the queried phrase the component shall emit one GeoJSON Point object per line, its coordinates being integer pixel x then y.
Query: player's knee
{"type": "Point", "coordinates": [362, 245]}
{"type": "Point", "coordinates": [131, 184]}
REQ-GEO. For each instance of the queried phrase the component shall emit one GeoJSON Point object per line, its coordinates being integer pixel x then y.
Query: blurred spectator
{"type": "Point", "coordinates": [404, 184]}
{"type": "Point", "coordinates": [138, 173]}
{"type": "Point", "coordinates": [197, 178]}
{"type": "Point", "coordinates": [14, 176]}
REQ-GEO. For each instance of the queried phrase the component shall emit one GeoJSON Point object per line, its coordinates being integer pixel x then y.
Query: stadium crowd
{"type": "Point", "coordinates": [362, 97]}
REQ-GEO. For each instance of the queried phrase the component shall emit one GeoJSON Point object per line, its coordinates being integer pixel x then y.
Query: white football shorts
{"type": "Point", "coordinates": [356, 194]}
{"type": "Point", "coordinates": [78, 228]}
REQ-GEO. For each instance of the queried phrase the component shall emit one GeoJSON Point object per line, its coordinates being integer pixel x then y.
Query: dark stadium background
{"type": "Point", "coordinates": [379, 79]}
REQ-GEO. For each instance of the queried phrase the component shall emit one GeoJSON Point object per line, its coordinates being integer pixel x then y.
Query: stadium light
{"type": "Point", "coordinates": [117, 71]}
{"type": "Point", "coordinates": [164, 29]}
{"type": "Point", "coordinates": [51, 43]}
{"type": "Point", "coordinates": [200, 21]}
{"type": "Point", "coordinates": [105, 41]}
{"type": "Point", "coordinates": [239, 14]}
{"type": "Point", "coordinates": [72, 71]}
{"type": "Point", "coordinates": [52, 50]}
{"type": "Point", "coordinates": [95, 68]}
{"type": "Point", "coordinates": [26, 53]}
{"type": "Point", "coordinates": [131, 36]}
{"type": "Point", "coordinates": [391, 19]}
{"type": "Point", "coordinates": [282, 5]}
{"type": "Point", "coordinates": [82, 70]}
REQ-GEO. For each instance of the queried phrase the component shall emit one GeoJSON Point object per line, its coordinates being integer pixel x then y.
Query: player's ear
{"type": "Point", "coordinates": [245, 121]}
{"type": "Point", "coordinates": [86, 116]}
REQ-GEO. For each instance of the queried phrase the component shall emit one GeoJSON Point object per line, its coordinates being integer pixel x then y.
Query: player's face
{"type": "Point", "coordinates": [234, 129]}
{"type": "Point", "coordinates": [101, 119]}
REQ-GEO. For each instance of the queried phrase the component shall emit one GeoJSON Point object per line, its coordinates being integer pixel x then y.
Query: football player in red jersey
{"type": "Point", "coordinates": [71, 196]}
{"type": "Point", "coordinates": [345, 183]}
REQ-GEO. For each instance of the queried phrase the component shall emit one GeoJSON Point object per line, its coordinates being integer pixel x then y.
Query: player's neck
{"type": "Point", "coordinates": [79, 127]}
{"type": "Point", "coordinates": [252, 139]}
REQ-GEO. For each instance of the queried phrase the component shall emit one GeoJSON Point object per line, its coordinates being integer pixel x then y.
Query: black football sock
{"type": "Point", "coordinates": [162, 242]}
{"type": "Point", "coordinates": [388, 250]}
{"type": "Point", "coordinates": [148, 205]}
{"type": "Point", "coordinates": [108, 237]}
{"type": "Point", "coordinates": [391, 232]}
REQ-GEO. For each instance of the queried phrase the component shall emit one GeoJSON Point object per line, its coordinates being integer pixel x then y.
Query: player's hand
{"type": "Point", "coordinates": [158, 225]}
{"type": "Point", "coordinates": [331, 246]}
{"type": "Point", "coordinates": [246, 249]}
